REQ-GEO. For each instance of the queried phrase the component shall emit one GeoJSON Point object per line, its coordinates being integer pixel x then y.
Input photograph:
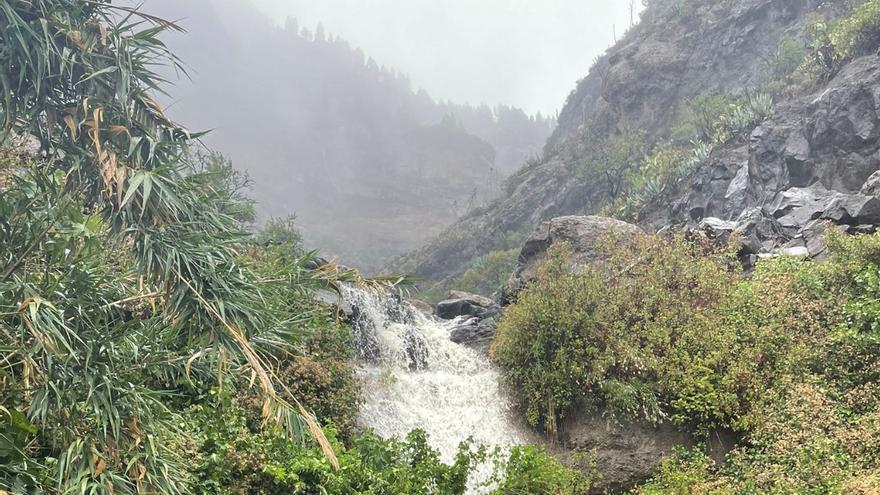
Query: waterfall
{"type": "Point", "coordinates": [414, 377]}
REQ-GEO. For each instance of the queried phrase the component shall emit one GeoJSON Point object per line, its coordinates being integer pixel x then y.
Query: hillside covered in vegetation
{"type": "Point", "coordinates": [148, 343]}
{"type": "Point", "coordinates": [700, 111]}
{"type": "Point", "coordinates": [687, 281]}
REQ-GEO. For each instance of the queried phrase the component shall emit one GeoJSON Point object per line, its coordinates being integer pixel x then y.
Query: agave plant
{"type": "Point", "coordinates": [761, 105]}
{"type": "Point", "coordinates": [121, 272]}
{"type": "Point", "coordinates": [702, 152]}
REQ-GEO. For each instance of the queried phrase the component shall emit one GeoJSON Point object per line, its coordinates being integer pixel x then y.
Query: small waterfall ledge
{"type": "Point", "coordinates": [415, 377]}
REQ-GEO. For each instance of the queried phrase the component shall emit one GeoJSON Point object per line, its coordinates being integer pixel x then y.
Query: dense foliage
{"type": "Point", "coordinates": [150, 343]}
{"type": "Point", "coordinates": [128, 283]}
{"type": "Point", "coordinates": [833, 43]}
{"type": "Point", "coordinates": [668, 331]}
{"type": "Point", "coordinates": [230, 456]}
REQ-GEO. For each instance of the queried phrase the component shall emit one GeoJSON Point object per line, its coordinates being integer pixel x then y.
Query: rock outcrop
{"type": "Point", "coordinates": [812, 164]}
{"type": "Point", "coordinates": [621, 456]}
{"type": "Point", "coordinates": [580, 232]}
{"type": "Point", "coordinates": [641, 83]}
{"type": "Point", "coordinates": [463, 304]}
{"type": "Point", "coordinates": [477, 317]}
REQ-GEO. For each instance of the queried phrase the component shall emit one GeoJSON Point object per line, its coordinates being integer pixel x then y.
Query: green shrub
{"type": "Point", "coordinates": [701, 115]}
{"type": "Point", "coordinates": [232, 457]}
{"type": "Point", "coordinates": [834, 43]}
{"type": "Point", "coordinates": [531, 470]}
{"type": "Point", "coordinates": [790, 54]}
{"type": "Point", "coordinates": [683, 473]}
{"type": "Point", "coordinates": [789, 359]}
{"type": "Point", "coordinates": [617, 337]}
{"type": "Point", "coordinates": [488, 273]}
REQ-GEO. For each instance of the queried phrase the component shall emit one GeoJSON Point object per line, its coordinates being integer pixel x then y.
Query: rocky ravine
{"type": "Point", "coordinates": [811, 165]}
{"type": "Point", "coordinates": [825, 140]}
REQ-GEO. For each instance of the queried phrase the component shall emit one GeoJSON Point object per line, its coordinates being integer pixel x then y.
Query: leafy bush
{"type": "Point", "coordinates": [281, 232]}
{"type": "Point", "coordinates": [607, 339]}
{"type": "Point", "coordinates": [663, 331]}
{"type": "Point", "coordinates": [701, 116]}
{"type": "Point", "coordinates": [611, 160]}
{"type": "Point", "coordinates": [488, 273]}
{"type": "Point", "coordinates": [790, 54]}
{"type": "Point", "coordinates": [530, 470]}
{"type": "Point", "coordinates": [660, 174]}
{"type": "Point", "coordinates": [834, 43]}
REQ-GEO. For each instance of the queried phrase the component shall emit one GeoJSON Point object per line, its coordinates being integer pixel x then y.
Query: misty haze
{"type": "Point", "coordinates": [440, 247]}
{"type": "Point", "coordinates": [372, 163]}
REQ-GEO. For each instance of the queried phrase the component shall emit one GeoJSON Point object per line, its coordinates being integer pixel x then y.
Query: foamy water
{"type": "Point", "coordinates": [415, 377]}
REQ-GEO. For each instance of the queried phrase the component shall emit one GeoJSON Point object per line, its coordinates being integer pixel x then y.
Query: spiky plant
{"type": "Point", "coordinates": [121, 273]}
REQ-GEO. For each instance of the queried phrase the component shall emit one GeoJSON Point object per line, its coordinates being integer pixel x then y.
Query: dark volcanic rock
{"type": "Point", "coordinates": [475, 333]}
{"type": "Point", "coordinates": [464, 304]}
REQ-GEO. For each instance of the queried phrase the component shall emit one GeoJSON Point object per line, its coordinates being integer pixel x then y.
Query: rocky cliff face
{"type": "Point", "coordinates": [823, 138]}
{"type": "Point", "coordinates": [812, 163]}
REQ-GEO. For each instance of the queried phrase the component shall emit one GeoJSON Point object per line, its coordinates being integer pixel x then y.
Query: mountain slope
{"type": "Point", "coordinates": [683, 58]}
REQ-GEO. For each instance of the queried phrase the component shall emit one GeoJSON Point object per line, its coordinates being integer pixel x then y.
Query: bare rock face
{"type": "Point", "coordinates": [623, 456]}
{"type": "Point", "coordinates": [580, 232]}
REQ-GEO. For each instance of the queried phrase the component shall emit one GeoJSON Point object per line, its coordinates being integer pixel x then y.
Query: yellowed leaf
{"type": "Point", "coordinates": [116, 130]}
{"type": "Point", "coordinates": [102, 465]}
{"type": "Point", "coordinates": [71, 125]}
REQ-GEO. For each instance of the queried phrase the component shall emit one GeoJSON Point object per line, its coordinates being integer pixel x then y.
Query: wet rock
{"type": "Point", "coordinates": [758, 231]}
{"type": "Point", "coordinates": [398, 311]}
{"type": "Point", "coordinates": [737, 190]}
{"type": "Point", "coordinates": [717, 229]}
{"type": "Point", "coordinates": [581, 232]}
{"type": "Point", "coordinates": [421, 306]}
{"type": "Point", "coordinates": [475, 333]}
{"type": "Point", "coordinates": [853, 209]}
{"type": "Point", "coordinates": [755, 231]}
{"type": "Point", "coordinates": [810, 202]}
{"type": "Point", "coordinates": [871, 187]}
{"type": "Point", "coordinates": [365, 335]}
{"type": "Point", "coordinates": [416, 350]}
{"type": "Point", "coordinates": [464, 304]}
{"type": "Point", "coordinates": [625, 455]}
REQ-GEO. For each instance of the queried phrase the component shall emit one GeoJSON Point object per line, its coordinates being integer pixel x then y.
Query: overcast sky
{"type": "Point", "coordinates": [526, 53]}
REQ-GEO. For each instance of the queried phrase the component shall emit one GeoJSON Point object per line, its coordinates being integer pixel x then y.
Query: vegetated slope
{"type": "Point", "coordinates": [668, 112]}
{"type": "Point", "coordinates": [371, 167]}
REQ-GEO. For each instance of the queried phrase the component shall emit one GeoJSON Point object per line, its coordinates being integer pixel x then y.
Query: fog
{"type": "Point", "coordinates": [515, 52]}
{"type": "Point", "coordinates": [379, 123]}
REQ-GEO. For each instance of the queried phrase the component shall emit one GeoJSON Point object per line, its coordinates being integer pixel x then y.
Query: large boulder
{"type": "Point", "coordinates": [756, 231]}
{"type": "Point", "coordinates": [475, 333]}
{"type": "Point", "coordinates": [464, 304]}
{"type": "Point", "coordinates": [624, 455]}
{"type": "Point", "coordinates": [582, 233]}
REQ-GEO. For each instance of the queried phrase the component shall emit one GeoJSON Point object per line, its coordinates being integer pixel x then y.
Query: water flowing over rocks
{"type": "Point", "coordinates": [414, 376]}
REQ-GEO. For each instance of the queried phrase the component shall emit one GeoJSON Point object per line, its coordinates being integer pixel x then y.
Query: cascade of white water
{"type": "Point", "coordinates": [415, 377]}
